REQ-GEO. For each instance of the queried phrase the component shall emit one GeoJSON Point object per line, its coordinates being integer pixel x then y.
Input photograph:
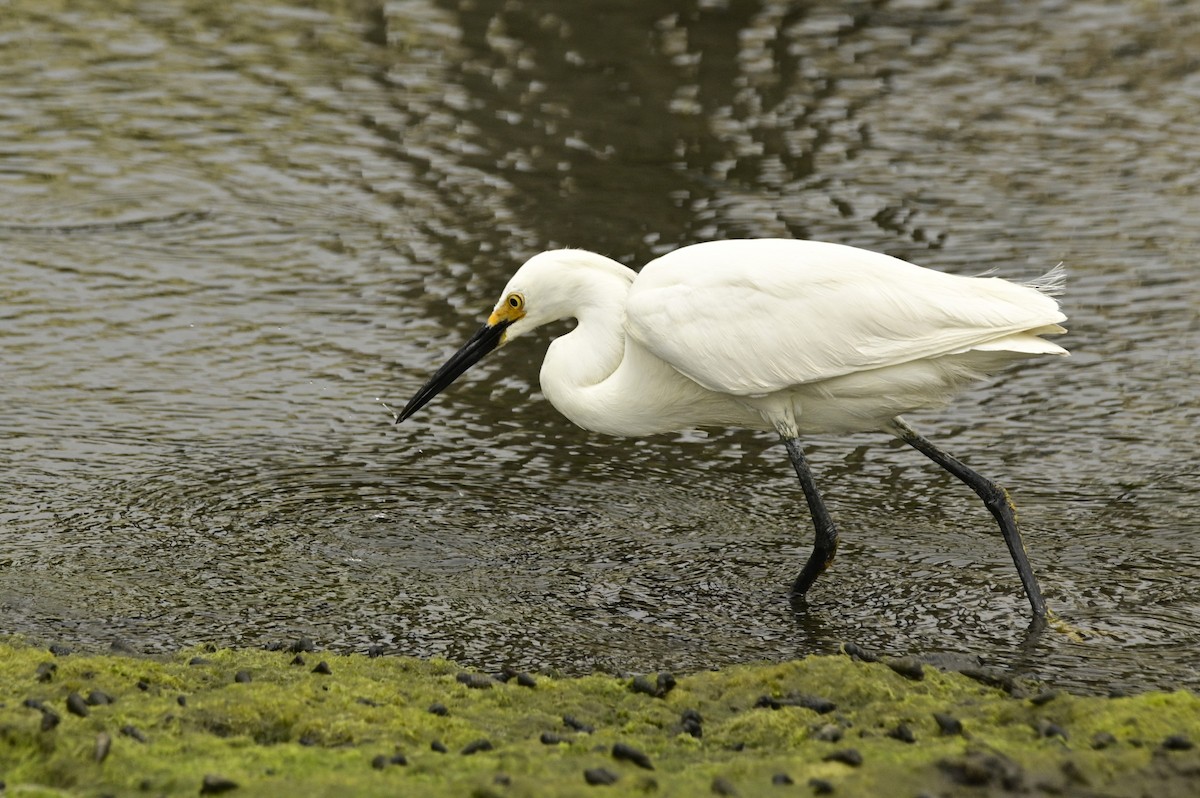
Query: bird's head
{"type": "Point", "coordinates": [548, 287]}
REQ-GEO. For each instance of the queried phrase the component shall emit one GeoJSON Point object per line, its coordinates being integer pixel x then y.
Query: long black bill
{"type": "Point", "coordinates": [483, 341]}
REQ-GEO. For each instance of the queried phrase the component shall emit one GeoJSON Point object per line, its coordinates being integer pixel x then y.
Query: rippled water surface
{"type": "Point", "coordinates": [231, 232]}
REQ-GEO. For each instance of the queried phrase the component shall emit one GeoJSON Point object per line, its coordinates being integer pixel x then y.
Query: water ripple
{"type": "Point", "coordinates": [232, 238]}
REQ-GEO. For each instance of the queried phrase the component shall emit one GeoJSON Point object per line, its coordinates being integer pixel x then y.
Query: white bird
{"type": "Point", "coordinates": [798, 337]}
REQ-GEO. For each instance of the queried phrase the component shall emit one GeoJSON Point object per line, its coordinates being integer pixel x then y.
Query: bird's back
{"type": "Point", "coordinates": [753, 317]}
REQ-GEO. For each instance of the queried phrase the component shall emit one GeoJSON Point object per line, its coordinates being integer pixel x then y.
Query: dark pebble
{"type": "Point", "coordinates": [181, 700]}
{"type": "Point", "coordinates": [903, 733]}
{"type": "Point", "coordinates": [820, 786]}
{"type": "Point", "coordinates": [301, 645]}
{"type": "Point", "coordinates": [1046, 728]}
{"type": "Point", "coordinates": [379, 762]}
{"type": "Point", "coordinates": [1178, 742]}
{"type": "Point", "coordinates": [375, 651]}
{"type": "Point", "coordinates": [782, 780]}
{"type": "Point", "coordinates": [978, 769]}
{"type": "Point", "coordinates": [599, 776]}
{"type": "Point", "coordinates": [522, 678]}
{"type": "Point", "coordinates": [438, 746]}
{"type": "Point", "coordinates": [1102, 740]}
{"type": "Point", "coordinates": [992, 678]}
{"type": "Point", "coordinates": [99, 698]}
{"type": "Point", "coordinates": [550, 738]}
{"type": "Point", "coordinates": [438, 709]}
{"type": "Point", "coordinates": [821, 706]}
{"type": "Point", "coordinates": [847, 756]}
{"type": "Point", "coordinates": [642, 684]}
{"type": "Point", "coordinates": [477, 746]}
{"type": "Point", "coordinates": [59, 650]}
{"type": "Point", "coordinates": [475, 681]}
{"type": "Point", "coordinates": [949, 724]}
{"type": "Point", "coordinates": [855, 651]}
{"type": "Point", "coordinates": [297, 660]}
{"type": "Point", "coordinates": [1044, 697]}
{"type": "Point", "coordinates": [666, 683]}
{"type": "Point", "coordinates": [242, 677]}
{"type": "Point", "coordinates": [103, 745]}
{"type": "Point", "coordinates": [45, 672]}
{"type": "Point", "coordinates": [692, 723]}
{"type": "Point", "coordinates": [77, 706]}
{"type": "Point", "coordinates": [662, 684]}
{"type": "Point", "coordinates": [323, 668]}
{"type": "Point", "coordinates": [213, 785]}
{"type": "Point", "coordinates": [907, 667]}
{"type": "Point", "coordinates": [570, 722]}
{"type": "Point", "coordinates": [723, 786]}
{"type": "Point", "coordinates": [33, 703]}
{"type": "Point", "coordinates": [502, 779]}
{"type": "Point", "coordinates": [134, 732]}
{"type": "Point", "coordinates": [631, 754]}
{"type": "Point", "coordinates": [142, 685]}
{"type": "Point", "coordinates": [366, 702]}
{"type": "Point", "coordinates": [50, 719]}
{"type": "Point", "coordinates": [398, 759]}
{"type": "Point", "coordinates": [199, 661]}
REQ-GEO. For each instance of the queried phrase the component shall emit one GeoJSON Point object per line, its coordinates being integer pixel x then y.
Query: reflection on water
{"type": "Point", "coordinates": [226, 233]}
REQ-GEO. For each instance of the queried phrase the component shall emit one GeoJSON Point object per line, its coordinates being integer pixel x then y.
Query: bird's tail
{"type": "Point", "coordinates": [1052, 283]}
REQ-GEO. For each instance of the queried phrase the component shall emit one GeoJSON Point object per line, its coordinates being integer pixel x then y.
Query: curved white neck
{"type": "Point", "coordinates": [593, 350]}
{"type": "Point", "coordinates": [589, 354]}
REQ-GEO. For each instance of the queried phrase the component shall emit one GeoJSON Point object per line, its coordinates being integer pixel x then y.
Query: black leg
{"type": "Point", "coordinates": [995, 498]}
{"type": "Point", "coordinates": [825, 545]}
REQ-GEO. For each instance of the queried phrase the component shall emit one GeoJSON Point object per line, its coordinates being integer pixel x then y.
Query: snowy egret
{"type": "Point", "coordinates": [798, 337]}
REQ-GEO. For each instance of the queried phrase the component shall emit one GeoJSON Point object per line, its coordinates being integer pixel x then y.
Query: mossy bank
{"type": "Point", "coordinates": [309, 723]}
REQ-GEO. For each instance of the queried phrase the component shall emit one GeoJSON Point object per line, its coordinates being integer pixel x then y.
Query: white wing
{"type": "Point", "coordinates": [749, 317]}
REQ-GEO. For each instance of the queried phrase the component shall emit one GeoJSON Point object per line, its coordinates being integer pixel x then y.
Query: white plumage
{"type": "Point", "coordinates": [753, 317]}
{"type": "Point", "coordinates": [796, 336]}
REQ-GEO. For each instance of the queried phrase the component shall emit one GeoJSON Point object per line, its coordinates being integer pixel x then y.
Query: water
{"type": "Point", "coordinates": [230, 232]}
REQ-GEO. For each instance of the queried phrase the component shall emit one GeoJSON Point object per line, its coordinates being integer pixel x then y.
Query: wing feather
{"type": "Point", "coordinates": [749, 317]}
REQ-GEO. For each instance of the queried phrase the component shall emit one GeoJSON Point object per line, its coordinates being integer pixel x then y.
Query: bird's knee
{"type": "Point", "coordinates": [998, 500]}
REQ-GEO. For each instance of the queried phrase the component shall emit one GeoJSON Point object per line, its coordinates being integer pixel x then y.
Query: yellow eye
{"type": "Point", "coordinates": [509, 310]}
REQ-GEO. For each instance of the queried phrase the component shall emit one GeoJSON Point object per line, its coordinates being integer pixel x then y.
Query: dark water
{"type": "Point", "coordinates": [230, 232]}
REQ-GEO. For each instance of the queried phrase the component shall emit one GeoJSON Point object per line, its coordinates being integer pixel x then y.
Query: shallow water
{"type": "Point", "coordinates": [229, 233]}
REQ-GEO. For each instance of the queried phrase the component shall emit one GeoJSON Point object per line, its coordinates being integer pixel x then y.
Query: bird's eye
{"type": "Point", "coordinates": [516, 301]}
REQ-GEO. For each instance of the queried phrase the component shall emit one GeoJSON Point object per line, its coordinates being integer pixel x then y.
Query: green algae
{"type": "Point", "coordinates": [174, 722]}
